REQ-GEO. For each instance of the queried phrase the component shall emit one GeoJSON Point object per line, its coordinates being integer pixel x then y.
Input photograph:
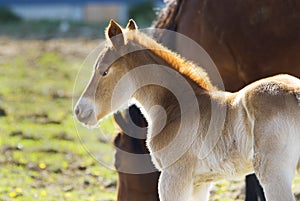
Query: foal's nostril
{"type": "Point", "coordinates": [83, 115]}
{"type": "Point", "coordinates": [84, 111]}
{"type": "Point", "coordinates": [77, 110]}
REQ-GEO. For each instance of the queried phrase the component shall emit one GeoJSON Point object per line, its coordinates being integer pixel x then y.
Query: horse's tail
{"type": "Point", "coordinates": [167, 17]}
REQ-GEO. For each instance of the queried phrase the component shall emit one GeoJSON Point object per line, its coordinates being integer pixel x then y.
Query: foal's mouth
{"type": "Point", "coordinates": [87, 118]}
{"type": "Point", "coordinates": [90, 122]}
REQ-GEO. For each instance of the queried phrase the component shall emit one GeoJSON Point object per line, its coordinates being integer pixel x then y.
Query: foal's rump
{"type": "Point", "coordinates": [277, 93]}
{"type": "Point", "coordinates": [277, 97]}
{"type": "Point", "coordinates": [290, 83]}
{"type": "Point", "coordinates": [273, 108]}
{"type": "Point", "coordinates": [273, 105]}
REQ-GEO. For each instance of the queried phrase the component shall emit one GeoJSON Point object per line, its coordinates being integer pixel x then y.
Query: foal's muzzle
{"type": "Point", "coordinates": [83, 116]}
{"type": "Point", "coordinates": [84, 111]}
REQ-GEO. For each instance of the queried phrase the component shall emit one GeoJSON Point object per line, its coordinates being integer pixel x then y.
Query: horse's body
{"type": "Point", "coordinates": [260, 130]}
{"type": "Point", "coordinates": [248, 39]}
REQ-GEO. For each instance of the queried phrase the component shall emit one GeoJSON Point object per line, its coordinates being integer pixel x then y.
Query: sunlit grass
{"type": "Point", "coordinates": [42, 154]}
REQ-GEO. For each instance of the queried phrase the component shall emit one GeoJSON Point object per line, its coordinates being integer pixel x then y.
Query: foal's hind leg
{"type": "Point", "coordinates": [274, 164]}
{"type": "Point", "coordinates": [276, 179]}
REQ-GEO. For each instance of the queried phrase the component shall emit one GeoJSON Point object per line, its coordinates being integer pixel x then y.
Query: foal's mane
{"type": "Point", "coordinates": [187, 68]}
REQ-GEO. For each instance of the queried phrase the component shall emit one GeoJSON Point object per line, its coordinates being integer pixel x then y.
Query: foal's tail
{"type": "Point", "coordinates": [297, 94]}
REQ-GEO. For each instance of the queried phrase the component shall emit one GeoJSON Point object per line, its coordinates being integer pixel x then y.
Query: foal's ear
{"type": "Point", "coordinates": [115, 34]}
{"type": "Point", "coordinates": [131, 25]}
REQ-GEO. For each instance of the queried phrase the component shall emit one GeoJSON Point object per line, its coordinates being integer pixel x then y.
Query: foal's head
{"type": "Point", "coordinates": [129, 49]}
{"type": "Point", "coordinates": [111, 65]}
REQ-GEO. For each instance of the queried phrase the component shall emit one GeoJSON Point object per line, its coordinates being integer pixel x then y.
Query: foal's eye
{"type": "Point", "coordinates": [104, 73]}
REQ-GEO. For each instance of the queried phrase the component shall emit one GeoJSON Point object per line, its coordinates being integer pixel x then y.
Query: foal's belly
{"type": "Point", "coordinates": [231, 170]}
{"type": "Point", "coordinates": [214, 177]}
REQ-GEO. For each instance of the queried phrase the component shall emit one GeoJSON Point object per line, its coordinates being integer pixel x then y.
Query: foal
{"type": "Point", "coordinates": [197, 134]}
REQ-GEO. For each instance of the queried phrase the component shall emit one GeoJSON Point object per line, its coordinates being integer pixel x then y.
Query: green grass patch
{"type": "Point", "coordinates": [43, 155]}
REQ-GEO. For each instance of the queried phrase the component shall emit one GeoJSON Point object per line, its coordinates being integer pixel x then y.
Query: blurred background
{"type": "Point", "coordinates": [42, 47]}
{"type": "Point", "coordinates": [42, 19]}
{"type": "Point", "coordinates": [43, 44]}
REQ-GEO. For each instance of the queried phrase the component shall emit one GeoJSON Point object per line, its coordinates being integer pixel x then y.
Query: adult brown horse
{"type": "Point", "coordinates": [133, 187]}
{"type": "Point", "coordinates": [247, 40]}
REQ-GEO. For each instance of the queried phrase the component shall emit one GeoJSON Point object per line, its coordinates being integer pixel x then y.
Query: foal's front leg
{"type": "Point", "coordinates": [175, 184]}
{"type": "Point", "coordinates": [201, 191]}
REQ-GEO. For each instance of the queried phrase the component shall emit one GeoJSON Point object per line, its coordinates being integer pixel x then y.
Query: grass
{"type": "Point", "coordinates": [42, 154]}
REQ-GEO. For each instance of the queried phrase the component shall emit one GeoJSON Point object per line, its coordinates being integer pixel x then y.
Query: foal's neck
{"type": "Point", "coordinates": [160, 100]}
{"type": "Point", "coordinates": [159, 106]}
{"type": "Point", "coordinates": [163, 80]}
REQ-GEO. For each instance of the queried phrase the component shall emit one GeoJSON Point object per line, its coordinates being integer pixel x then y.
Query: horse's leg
{"type": "Point", "coordinates": [253, 189]}
{"type": "Point", "coordinates": [201, 192]}
{"type": "Point", "coordinates": [259, 190]}
{"type": "Point", "coordinates": [175, 186]}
